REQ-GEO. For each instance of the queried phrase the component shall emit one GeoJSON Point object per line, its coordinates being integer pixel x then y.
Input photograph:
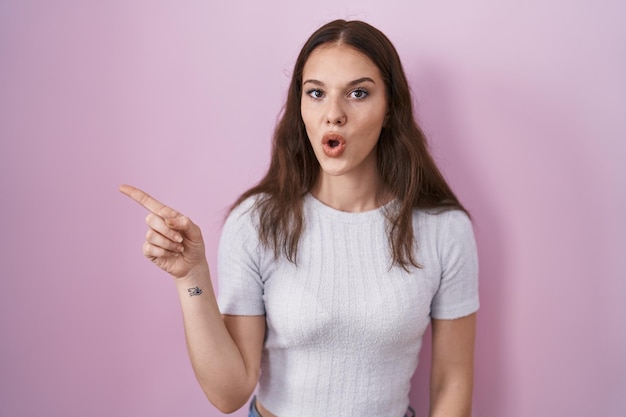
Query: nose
{"type": "Point", "coordinates": [335, 113]}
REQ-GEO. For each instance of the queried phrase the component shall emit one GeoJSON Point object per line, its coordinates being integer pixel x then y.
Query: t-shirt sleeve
{"type": "Point", "coordinates": [457, 295]}
{"type": "Point", "coordinates": [240, 287]}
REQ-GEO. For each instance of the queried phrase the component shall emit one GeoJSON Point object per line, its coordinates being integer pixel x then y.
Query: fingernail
{"type": "Point", "coordinates": [179, 239]}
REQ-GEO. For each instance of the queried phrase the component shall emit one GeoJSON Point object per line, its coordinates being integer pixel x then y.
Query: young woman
{"type": "Point", "coordinates": [332, 267]}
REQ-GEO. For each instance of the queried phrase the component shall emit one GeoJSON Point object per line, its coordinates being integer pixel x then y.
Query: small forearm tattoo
{"type": "Point", "coordinates": [194, 291]}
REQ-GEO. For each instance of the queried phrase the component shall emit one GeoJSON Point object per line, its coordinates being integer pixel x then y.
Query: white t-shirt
{"type": "Point", "coordinates": [344, 326]}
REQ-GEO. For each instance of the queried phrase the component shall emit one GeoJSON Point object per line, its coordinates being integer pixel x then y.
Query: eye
{"type": "Point", "coordinates": [359, 93]}
{"type": "Point", "coordinates": [315, 94]}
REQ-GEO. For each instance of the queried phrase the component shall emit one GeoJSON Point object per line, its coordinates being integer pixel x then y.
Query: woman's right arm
{"type": "Point", "coordinates": [225, 351]}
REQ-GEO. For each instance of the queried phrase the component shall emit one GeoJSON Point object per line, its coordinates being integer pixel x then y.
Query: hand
{"type": "Point", "coordinates": [173, 242]}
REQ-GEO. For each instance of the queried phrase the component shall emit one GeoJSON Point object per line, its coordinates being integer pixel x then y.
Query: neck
{"type": "Point", "coordinates": [351, 193]}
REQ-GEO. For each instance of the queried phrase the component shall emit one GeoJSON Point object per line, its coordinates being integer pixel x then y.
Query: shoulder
{"type": "Point", "coordinates": [443, 222]}
{"type": "Point", "coordinates": [242, 219]}
{"type": "Point", "coordinates": [246, 209]}
{"type": "Point", "coordinates": [444, 231]}
{"type": "Point", "coordinates": [454, 222]}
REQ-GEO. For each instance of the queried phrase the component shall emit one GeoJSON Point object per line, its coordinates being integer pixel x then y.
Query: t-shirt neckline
{"type": "Point", "coordinates": [368, 216]}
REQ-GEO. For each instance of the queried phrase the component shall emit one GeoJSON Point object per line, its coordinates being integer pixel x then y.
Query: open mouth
{"type": "Point", "coordinates": [333, 144]}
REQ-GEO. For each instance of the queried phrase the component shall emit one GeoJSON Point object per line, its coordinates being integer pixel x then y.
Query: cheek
{"type": "Point", "coordinates": [372, 125]}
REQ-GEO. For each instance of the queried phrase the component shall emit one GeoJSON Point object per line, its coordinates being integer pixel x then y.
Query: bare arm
{"type": "Point", "coordinates": [225, 352]}
{"type": "Point", "coordinates": [452, 372]}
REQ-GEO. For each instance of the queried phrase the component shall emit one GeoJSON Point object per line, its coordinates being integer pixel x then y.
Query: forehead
{"type": "Point", "coordinates": [339, 61]}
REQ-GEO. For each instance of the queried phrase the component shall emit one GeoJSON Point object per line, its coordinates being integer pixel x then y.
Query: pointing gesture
{"type": "Point", "coordinates": [173, 242]}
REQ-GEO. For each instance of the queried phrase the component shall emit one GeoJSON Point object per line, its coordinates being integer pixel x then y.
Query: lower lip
{"type": "Point", "coordinates": [334, 151]}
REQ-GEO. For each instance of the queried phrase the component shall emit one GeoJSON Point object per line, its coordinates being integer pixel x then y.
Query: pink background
{"type": "Point", "coordinates": [524, 104]}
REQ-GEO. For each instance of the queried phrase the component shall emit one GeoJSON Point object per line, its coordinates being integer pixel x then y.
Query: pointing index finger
{"type": "Point", "coordinates": [145, 200]}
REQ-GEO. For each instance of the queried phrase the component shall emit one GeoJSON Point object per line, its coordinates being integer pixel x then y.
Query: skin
{"type": "Point", "coordinates": [452, 367]}
{"type": "Point", "coordinates": [343, 92]}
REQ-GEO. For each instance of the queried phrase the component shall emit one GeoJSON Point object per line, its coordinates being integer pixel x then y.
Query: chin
{"type": "Point", "coordinates": [333, 170]}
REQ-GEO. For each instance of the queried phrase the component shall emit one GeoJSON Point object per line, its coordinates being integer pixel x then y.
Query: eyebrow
{"type": "Point", "coordinates": [350, 84]}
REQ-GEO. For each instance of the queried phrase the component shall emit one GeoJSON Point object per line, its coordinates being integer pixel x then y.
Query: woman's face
{"type": "Point", "coordinates": [344, 106]}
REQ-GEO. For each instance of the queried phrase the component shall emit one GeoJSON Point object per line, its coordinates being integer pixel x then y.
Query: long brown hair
{"type": "Point", "coordinates": [405, 165]}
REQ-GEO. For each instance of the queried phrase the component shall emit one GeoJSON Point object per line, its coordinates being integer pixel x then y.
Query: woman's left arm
{"type": "Point", "coordinates": [452, 370]}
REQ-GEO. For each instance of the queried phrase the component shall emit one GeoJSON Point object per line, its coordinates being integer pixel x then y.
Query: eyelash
{"type": "Point", "coordinates": [311, 93]}
{"type": "Point", "coordinates": [362, 91]}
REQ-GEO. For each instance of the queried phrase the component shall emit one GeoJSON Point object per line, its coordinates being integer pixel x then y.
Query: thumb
{"type": "Point", "coordinates": [184, 225]}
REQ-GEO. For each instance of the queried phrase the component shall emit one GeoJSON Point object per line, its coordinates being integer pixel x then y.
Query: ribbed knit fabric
{"type": "Point", "coordinates": [344, 326]}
